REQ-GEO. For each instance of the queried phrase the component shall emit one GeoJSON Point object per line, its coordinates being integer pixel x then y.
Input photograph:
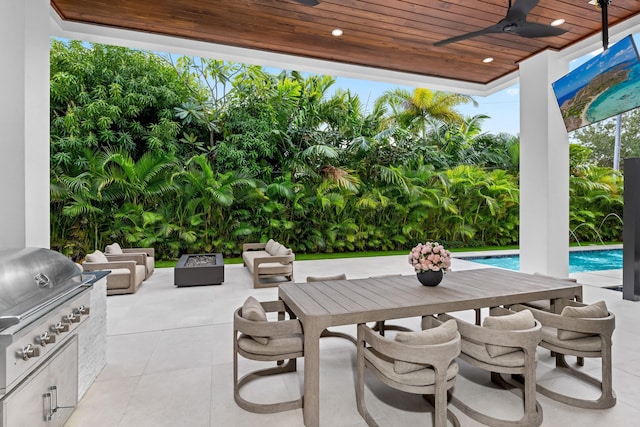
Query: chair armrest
{"type": "Point", "coordinates": [138, 258]}
{"type": "Point", "coordinates": [96, 266]}
{"type": "Point", "coordinates": [148, 251]}
{"type": "Point", "coordinates": [282, 259]}
{"type": "Point", "coordinates": [253, 246]}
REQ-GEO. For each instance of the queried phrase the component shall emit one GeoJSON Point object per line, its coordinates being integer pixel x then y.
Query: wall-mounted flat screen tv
{"type": "Point", "coordinates": [604, 86]}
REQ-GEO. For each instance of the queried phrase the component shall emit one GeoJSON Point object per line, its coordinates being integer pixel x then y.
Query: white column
{"type": "Point", "coordinates": [24, 124]}
{"type": "Point", "coordinates": [544, 169]}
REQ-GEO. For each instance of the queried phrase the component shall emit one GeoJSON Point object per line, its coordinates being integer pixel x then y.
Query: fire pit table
{"type": "Point", "coordinates": [199, 269]}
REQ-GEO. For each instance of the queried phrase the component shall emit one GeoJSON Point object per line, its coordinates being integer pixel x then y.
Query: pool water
{"type": "Point", "coordinates": [578, 261]}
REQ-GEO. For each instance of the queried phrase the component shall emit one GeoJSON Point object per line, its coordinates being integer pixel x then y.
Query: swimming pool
{"type": "Point", "coordinates": [579, 261]}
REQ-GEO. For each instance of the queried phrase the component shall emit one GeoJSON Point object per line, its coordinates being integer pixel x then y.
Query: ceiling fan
{"type": "Point", "coordinates": [515, 22]}
{"type": "Point", "coordinates": [307, 2]}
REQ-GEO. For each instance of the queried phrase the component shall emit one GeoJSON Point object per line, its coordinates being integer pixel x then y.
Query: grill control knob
{"type": "Point", "coordinates": [59, 328]}
{"type": "Point", "coordinates": [46, 338]}
{"type": "Point", "coordinates": [81, 310]}
{"type": "Point", "coordinates": [71, 318]}
{"type": "Point", "coordinates": [28, 352]}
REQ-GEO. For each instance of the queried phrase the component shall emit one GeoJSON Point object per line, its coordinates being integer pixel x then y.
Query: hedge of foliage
{"type": "Point", "coordinates": [199, 155]}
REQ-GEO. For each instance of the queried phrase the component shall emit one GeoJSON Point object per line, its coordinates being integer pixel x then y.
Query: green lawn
{"type": "Point", "coordinates": [300, 257]}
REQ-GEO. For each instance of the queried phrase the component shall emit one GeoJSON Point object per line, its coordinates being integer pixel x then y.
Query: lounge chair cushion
{"type": "Point", "coordinates": [274, 248]}
{"type": "Point", "coordinates": [253, 310]}
{"type": "Point", "coordinates": [591, 343]}
{"type": "Point", "coordinates": [283, 250]}
{"type": "Point", "coordinates": [271, 246]}
{"type": "Point", "coordinates": [592, 311]}
{"type": "Point", "coordinates": [519, 321]}
{"type": "Point", "coordinates": [513, 359]}
{"type": "Point", "coordinates": [113, 249]}
{"type": "Point", "coordinates": [96, 256]}
{"type": "Point", "coordinates": [438, 335]}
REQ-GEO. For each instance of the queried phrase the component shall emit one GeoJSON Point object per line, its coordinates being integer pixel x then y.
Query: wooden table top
{"type": "Point", "coordinates": [342, 302]}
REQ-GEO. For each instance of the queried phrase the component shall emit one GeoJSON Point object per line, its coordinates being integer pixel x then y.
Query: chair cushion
{"type": "Point", "coordinates": [591, 343]}
{"type": "Point", "coordinates": [96, 256]}
{"type": "Point", "coordinates": [593, 311]}
{"type": "Point", "coordinates": [282, 251]}
{"type": "Point", "coordinates": [438, 335]}
{"type": "Point", "coordinates": [276, 346]}
{"type": "Point", "coordinates": [273, 251]}
{"type": "Point", "coordinates": [519, 321]}
{"type": "Point", "coordinates": [271, 245]}
{"type": "Point", "coordinates": [513, 359]}
{"type": "Point", "coordinates": [423, 377]}
{"type": "Point", "coordinates": [113, 249]}
{"type": "Point", "coordinates": [253, 310]}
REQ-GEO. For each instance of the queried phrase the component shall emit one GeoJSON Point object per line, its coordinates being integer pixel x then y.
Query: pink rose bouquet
{"type": "Point", "coordinates": [430, 256]}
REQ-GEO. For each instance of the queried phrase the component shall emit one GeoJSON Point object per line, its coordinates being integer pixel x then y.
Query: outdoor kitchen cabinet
{"type": "Point", "coordinates": [48, 396]}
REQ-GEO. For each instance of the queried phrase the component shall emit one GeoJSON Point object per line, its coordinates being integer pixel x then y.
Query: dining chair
{"type": "Point", "coordinates": [505, 344]}
{"type": "Point", "coordinates": [584, 331]}
{"type": "Point", "coordinates": [257, 338]}
{"type": "Point", "coordinates": [421, 362]}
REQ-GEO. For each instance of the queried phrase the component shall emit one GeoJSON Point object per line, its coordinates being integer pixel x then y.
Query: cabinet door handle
{"type": "Point", "coordinates": [54, 398]}
{"type": "Point", "coordinates": [48, 410]}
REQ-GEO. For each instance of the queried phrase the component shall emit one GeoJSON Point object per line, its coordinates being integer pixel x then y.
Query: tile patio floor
{"type": "Point", "coordinates": [169, 361]}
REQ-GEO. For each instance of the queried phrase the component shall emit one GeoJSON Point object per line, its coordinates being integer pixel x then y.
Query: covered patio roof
{"type": "Point", "coordinates": [383, 40]}
{"type": "Point", "coordinates": [388, 40]}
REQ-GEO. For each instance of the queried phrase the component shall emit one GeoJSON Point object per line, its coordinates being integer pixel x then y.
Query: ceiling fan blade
{"type": "Point", "coordinates": [521, 8]}
{"type": "Point", "coordinates": [533, 29]}
{"type": "Point", "coordinates": [308, 2]}
{"type": "Point", "coordinates": [488, 30]}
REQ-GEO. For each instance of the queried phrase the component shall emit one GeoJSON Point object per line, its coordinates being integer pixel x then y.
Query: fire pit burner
{"type": "Point", "coordinates": [199, 269]}
{"type": "Point", "coordinates": [200, 260]}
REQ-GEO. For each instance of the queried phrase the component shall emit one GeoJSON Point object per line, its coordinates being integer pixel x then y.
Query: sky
{"type": "Point", "coordinates": [502, 107]}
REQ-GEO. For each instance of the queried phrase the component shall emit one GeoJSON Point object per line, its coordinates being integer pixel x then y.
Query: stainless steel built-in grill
{"type": "Point", "coordinates": [43, 298]}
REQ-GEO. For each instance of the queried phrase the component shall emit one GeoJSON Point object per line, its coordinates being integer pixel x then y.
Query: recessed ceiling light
{"type": "Point", "coordinates": [337, 32]}
{"type": "Point", "coordinates": [557, 22]}
{"type": "Point", "coordinates": [487, 60]}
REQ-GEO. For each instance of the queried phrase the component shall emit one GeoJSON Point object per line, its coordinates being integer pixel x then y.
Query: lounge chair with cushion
{"type": "Point", "coordinates": [421, 362]}
{"type": "Point", "coordinates": [267, 261]}
{"type": "Point", "coordinates": [257, 338]}
{"type": "Point", "coordinates": [505, 344]}
{"type": "Point", "coordinates": [116, 253]}
{"type": "Point", "coordinates": [125, 277]}
{"type": "Point", "coordinates": [584, 331]}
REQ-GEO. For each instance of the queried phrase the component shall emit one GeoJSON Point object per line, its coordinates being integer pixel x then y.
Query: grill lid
{"type": "Point", "coordinates": [32, 279]}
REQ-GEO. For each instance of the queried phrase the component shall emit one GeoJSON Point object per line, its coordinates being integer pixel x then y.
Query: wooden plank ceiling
{"type": "Point", "coordinates": [391, 34]}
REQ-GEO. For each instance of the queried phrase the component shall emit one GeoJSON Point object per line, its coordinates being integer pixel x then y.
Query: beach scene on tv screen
{"type": "Point", "coordinates": [604, 86]}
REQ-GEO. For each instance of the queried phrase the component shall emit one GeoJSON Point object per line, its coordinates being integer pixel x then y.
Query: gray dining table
{"type": "Point", "coordinates": [320, 305]}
